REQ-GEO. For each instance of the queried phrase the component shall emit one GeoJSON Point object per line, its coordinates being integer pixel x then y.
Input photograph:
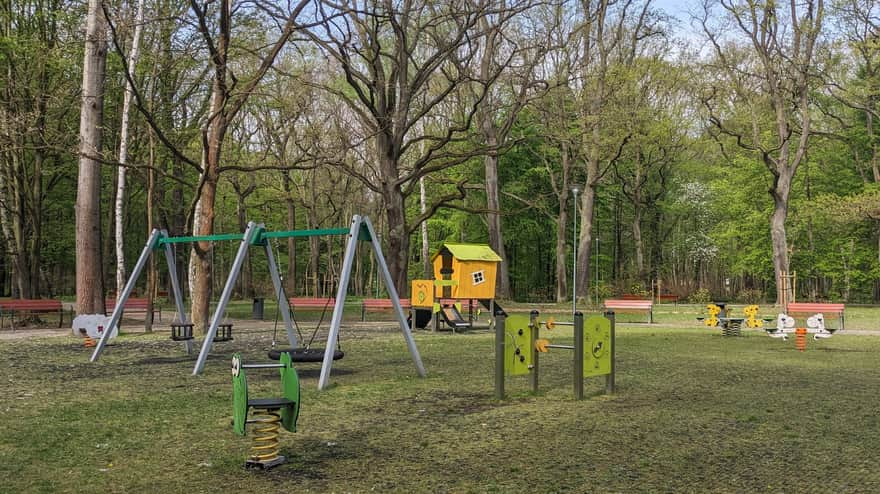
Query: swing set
{"type": "Point", "coordinates": [361, 229]}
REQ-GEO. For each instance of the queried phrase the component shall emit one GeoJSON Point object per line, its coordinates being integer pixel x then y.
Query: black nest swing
{"type": "Point", "coordinates": [305, 354]}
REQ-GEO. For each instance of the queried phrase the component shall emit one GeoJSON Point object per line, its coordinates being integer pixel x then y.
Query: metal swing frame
{"type": "Point", "coordinates": [361, 229]}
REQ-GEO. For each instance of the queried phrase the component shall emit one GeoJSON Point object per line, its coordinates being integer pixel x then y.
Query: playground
{"type": "Point", "coordinates": [693, 410]}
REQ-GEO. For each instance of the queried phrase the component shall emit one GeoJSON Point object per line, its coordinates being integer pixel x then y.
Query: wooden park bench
{"type": "Point", "coordinates": [667, 298]}
{"type": "Point", "coordinates": [631, 306]}
{"type": "Point", "coordinates": [810, 308]}
{"type": "Point", "coordinates": [132, 306]}
{"type": "Point", "coordinates": [22, 308]}
{"type": "Point", "coordinates": [380, 304]}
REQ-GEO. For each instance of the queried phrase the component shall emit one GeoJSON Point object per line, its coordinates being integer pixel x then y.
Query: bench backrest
{"type": "Point", "coordinates": [814, 307]}
{"type": "Point", "coordinates": [30, 304]}
{"type": "Point", "coordinates": [383, 303]}
{"type": "Point", "coordinates": [130, 303]}
{"type": "Point", "coordinates": [628, 304]}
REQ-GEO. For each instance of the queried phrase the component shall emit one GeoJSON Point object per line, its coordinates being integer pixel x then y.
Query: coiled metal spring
{"type": "Point", "coordinates": [265, 445]}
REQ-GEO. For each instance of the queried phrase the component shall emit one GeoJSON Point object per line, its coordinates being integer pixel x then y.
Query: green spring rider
{"type": "Point", "coordinates": [269, 414]}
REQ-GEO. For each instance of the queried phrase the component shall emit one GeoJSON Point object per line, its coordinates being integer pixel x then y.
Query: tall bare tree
{"type": "Point", "coordinates": [89, 282]}
{"type": "Point", "coordinates": [228, 94]}
{"type": "Point", "coordinates": [613, 33]}
{"type": "Point", "coordinates": [771, 74]}
{"type": "Point", "coordinates": [123, 149]}
{"type": "Point", "coordinates": [511, 56]}
{"type": "Point", "coordinates": [400, 63]}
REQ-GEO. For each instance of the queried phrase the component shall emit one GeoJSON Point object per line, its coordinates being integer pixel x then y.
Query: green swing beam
{"type": "Point", "coordinates": [220, 237]}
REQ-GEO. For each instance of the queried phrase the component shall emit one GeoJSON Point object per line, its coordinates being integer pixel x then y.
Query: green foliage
{"type": "Point", "coordinates": [638, 289]}
{"type": "Point", "coordinates": [750, 296]}
{"type": "Point", "coordinates": [700, 296]}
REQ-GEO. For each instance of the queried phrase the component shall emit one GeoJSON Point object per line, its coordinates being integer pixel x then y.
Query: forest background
{"type": "Point", "coordinates": [715, 147]}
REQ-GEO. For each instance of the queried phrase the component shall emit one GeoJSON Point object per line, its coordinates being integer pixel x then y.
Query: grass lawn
{"type": "Point", "coordinates": [694, 412]}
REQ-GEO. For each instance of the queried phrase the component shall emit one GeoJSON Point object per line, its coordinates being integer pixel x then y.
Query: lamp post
{"type": "Point", "coordinates": [574, 191]}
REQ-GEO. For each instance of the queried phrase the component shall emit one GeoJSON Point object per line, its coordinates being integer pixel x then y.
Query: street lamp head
{"type": "Point", "coordinates": [575, 190]}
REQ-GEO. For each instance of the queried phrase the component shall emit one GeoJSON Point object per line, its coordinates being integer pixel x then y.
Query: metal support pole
{"type": "Point", "coordinates": [126, 291]}
{"type": "Point", "coordinates": [536, 326]}
{"type": "Point", "coordinates": [246, 241]}
{"type": "Point", "coordinates": [499, 357]}
{"type": "Point", "coordinates": [395, 298]}
{"type": "Point", "coordinates": [578, 356]}
{"type": "Point", "coordinates": [283, 303]}
{"type": "Point", "coordinates": [345, 275]}
{"type": "Point", "coordinates": [609, 379]}
{"type": "Point", "coordinates": [574, 275]}
{"type": "Point", "coordinates": [341, 291]}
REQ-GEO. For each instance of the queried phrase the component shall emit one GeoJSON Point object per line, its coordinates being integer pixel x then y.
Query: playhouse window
{"type": "Point", "coordinates": [479, 277]}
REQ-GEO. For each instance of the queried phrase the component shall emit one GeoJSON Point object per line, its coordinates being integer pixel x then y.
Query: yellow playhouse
{"type": "Point", "coordinates": [465, 271]}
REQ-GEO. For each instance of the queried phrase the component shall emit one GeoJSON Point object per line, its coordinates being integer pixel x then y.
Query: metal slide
{"type": "Point", "coordinates": [453, 318]}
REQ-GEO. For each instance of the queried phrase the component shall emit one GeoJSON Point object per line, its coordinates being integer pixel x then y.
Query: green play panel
{"type": "Point", "coordinates": [517, 346]}
{"type": "Point", "coordinates": [597, 346]}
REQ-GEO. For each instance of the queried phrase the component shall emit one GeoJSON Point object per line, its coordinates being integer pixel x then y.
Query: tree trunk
{"type": "Point", "coordinates": [314, 251]}
{"type": "Point", "coordinates": [395, 215]}
{"type": "Point", "coordinates": [585, 236]}
{"type": "Point", "coordinates": [22, 270]}
{"type": "Point", "coordinates": [639, 244]}
{"type": "Point", "coordinates": [107, 240]}
{"type": "Point", "coordinates": [778, 239]}
{"type": "Point", "coordinates": [123, 151]}
{"type": "Point", "coordinates": [203, 272]}
{"type": "Point", "coordinates": [246, 278]}
{"type": "Point", "coordinates": [427, 268]}
{"type": "Point", "coordinates": [562, 289]}
{"type": "Point", "coordinates": [89, 285]}
{"type": "Point", "coordinates": [152, 273]}
{"type": "Point", "coordinates": [291, 241]}
{"type": "Point", "coordinates": [493, 217]}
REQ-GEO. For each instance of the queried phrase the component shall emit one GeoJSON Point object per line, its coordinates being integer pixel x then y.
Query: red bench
{"type": "Point", "coordinates": [311, 303]}
{"type": "Point", "coordinates": [381, 304]}
{"type": "Point", "coordinates": [631, 306]}
{"type": "Point", "coordinates": [810, 308]}
{"type": "Point", "coordinates": [24, 307]}
{"type": "Point", "coordinates": [667, 298]}
{"type": "Point", "coordinates": [132, 305]}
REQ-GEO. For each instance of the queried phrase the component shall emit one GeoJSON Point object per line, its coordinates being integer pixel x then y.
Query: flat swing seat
{"type": "Point", "coordinates": [269, 403]}
{"type": "Point", "coordinates": [304, 354]}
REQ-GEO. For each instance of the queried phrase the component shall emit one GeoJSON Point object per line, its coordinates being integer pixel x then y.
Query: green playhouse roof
{"type": "Point", "coordinates": [470, 252]}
